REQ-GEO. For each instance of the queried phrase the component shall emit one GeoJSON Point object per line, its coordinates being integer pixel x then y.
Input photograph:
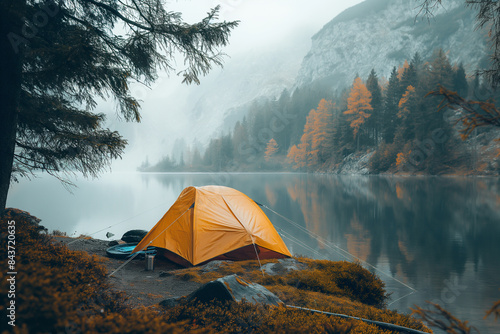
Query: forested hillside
{"type": "Point", "coordinates": [380, 125]}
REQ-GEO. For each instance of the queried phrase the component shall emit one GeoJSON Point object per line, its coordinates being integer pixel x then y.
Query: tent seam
{"type": "Point", "coordinates": [250, 235]}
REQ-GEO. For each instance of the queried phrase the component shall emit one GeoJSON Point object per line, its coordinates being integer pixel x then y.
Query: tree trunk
{"type": "Point", "coordinates": [10, 88]}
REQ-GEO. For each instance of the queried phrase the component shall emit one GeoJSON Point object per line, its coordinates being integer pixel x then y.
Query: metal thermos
{"type": "Point", "coordinates": [150, 258]}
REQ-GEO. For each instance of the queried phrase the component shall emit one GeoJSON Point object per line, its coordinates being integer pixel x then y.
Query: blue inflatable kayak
{"type": "Point", "coordinates": [124, 251]}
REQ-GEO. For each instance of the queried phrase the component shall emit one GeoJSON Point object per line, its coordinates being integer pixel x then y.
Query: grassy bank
{"type": "Point", "coordinates": [59, 290]}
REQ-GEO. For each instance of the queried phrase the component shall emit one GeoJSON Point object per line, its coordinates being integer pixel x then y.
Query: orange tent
{"type": "Point", "coordinates": [214, 223]}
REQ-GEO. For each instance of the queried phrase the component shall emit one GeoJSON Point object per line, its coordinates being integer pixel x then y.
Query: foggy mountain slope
{"type": "Point", "coordinates": [224, 96]}
{"type": "Point", "coordinates": [380, 34]}
{"type": "Point", "coordinates": [377, 34]}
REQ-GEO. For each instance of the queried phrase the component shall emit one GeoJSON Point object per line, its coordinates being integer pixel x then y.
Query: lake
{"type": "Point", "coordinates": [428, 238]}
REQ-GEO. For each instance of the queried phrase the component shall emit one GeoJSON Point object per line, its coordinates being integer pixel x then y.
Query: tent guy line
{"type": "Point", "coordinates": [251, 236]}
{"type": "Point", "coordinates": [326, 243]}
{"type": "Point", "coordinates": [120, 222]}
{"type": "Point", "coordinates": [218, 228]}
{"type": "Point", "coordinates": [332, 246]}
{"type": "Point", "coordinates": [138, 252]}
{"type": "Point", "coordinates": [303, 244]}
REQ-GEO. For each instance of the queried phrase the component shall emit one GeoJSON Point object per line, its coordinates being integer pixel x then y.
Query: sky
{"type": "Point", "coordinates": [265, 26]}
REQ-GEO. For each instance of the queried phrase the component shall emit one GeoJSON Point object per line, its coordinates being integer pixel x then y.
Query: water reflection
{"type": "Point", "coordinates": [439, 235]}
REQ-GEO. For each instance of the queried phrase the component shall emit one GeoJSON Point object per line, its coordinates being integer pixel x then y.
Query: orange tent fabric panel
{"type": "Point", "coordinates": [209, 222]}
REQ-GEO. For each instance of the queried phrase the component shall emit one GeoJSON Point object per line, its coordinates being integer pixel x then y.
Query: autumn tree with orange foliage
{"type": "Point", "coordinates": [402, 69]}
{"type": "Point", "coordinates": [297, 156]}
{"type": "Point", "coordinates": [358, 106]}
{"type": "Point", "coordinates": [407, 108]}
{"type": "Point", "coordinates": [271, 149]}
{"type": "Point", "coordinates": [314, 143]}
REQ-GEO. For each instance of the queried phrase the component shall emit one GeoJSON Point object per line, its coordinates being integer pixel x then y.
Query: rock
{"type": "Point", "coordinates": [291, 264]}
{"type": "Point", "coordinates": [234, 288]}
{"type": "Point", "coordinates": [269, 269]}
{"type": "Point", "coordinates": [170, 302]}
{"type": "Point", "coordinates": [113, 243]}
{"type": "Point", "coordinates": [354, 164]}
{"type": "Point", "coordinates": [361, 38]}
{"type": "Point", "coordinates": [283, 266]}
{"type": "Point", "coordinates": [213, 265]}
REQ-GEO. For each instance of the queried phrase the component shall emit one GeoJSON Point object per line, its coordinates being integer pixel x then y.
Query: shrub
{"type": "Point", "coordinates": [383, 159]}
{"type": "Point", "coordinates": [341, 279]}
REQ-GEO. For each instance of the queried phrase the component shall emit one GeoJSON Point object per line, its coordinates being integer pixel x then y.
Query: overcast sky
{"type": "Point", "coordinates": [264, 25]}
{"type": "Point", "coordinates": [265, 22]}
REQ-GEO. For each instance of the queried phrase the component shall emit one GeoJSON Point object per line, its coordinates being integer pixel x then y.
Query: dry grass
{"type": "Point", "coordinates": [66, 291]}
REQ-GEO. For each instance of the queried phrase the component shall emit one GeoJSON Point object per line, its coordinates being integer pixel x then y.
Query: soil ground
{"type": "Point", "coordinates": [144, 288]}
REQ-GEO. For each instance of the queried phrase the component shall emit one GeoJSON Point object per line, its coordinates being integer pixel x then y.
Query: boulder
{"type": "Point", "coordinates": [170, 302]}
{"type": "Point", "coordinates": [213, 265]}
{"type": "Point", "coordinates": [283, 266]}
{"type": "Point", "coordinates": [234, 288]}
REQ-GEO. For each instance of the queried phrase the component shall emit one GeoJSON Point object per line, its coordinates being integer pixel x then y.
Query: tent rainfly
{"type": "Point", "coordinates": [214, 223]}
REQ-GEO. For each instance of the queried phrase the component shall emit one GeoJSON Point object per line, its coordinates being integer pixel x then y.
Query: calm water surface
{"type": "Point", "coordinates": [439, 236]}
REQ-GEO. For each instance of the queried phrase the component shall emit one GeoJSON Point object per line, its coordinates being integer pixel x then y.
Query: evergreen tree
{"type": "Point", "coordinates": [240, 141]}
{"type": "Point", "coordinates": [439, 73]}
{"type": "Point", "coordinates": [460, 84]}
{"type": "Point", "coordinates": [417, 62]}
{"type": "Point", "coordinates": [282, 127]}
{"type": "Point", "coordinates": [375, 121]}
{"type": "Point", "coordinates": [67, 54]}
{"type": "Point", "coordinates": [196, 160]}
{"type": "Point", "coordinates": [391, 109]}
{"type": "Point", "coordinates": [409, 78]}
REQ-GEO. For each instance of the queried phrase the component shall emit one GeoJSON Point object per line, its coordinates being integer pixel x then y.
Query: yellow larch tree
{"type": "Point", "coordinates": [402, 69]}
{"type": "Point", "coordinates": [358, 106]}
{"type": "Point", "coordinates": [314, 141]}
{"type": "Point", "coordinates": [297, 156]}
{"type": "Point", "coordinates": [271, 149]}
{"type": "Point", "coordinates": [404, 102]}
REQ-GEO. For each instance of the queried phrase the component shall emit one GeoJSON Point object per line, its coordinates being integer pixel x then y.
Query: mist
{"type": "Point", "coordinates": [263, 57]}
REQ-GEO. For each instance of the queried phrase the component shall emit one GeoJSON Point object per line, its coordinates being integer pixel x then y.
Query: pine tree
{"type": "Point", "coordinates": [375, 121]}
{"type": "Point", "coordinates": [417, 62]}
{"type": "Point", "coordinates": [460, 84]}
{"type": "Point", "coordinates": [52, 76]}
{"type": "Point", "coordinates": [409, 77]}
{"type": "Point", "coordinates": [391, 102]}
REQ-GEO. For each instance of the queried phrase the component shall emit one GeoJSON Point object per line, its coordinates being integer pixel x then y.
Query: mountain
{"type": "Point", "coordinates": [381, 34]}
{"type": "Point", "coordinates": [225, 96]}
